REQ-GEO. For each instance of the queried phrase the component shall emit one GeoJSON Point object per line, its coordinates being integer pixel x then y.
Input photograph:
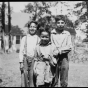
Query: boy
{"type": "Point", "coordinates": [44, 60]}
{"type": "Point", "coordinates": [27, 47]}
{"type": "Point", "coordinates": [62, 40]}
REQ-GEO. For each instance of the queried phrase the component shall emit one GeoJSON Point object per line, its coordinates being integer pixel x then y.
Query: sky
{"type": "Point", "coordinates": [17, 6]}
{"type": "Point", "coordinates": [19, 19]}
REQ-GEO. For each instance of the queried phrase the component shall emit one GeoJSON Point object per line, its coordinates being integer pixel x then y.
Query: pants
{"type": "Point", "coordinates": [61, 71]}
{"type": "Point", "coordinates": [43, 73]}
{"type": "Point", "coordinates": [28, 66]}
{"type": "Point", "coordinates": [40, 73]}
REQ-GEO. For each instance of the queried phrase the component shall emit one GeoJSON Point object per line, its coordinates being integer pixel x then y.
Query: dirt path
{"type": "Point", "coordinates": [10, 73]}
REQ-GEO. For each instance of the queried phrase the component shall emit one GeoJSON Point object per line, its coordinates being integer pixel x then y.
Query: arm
{"type": "Point", "coordinates": [68, 46]}
{"type": "Point", "coordinates": [36, 54]}
{"type": "Point", "coordinates": [51, 57]}
{"type": "Point", "coordinates": [52, 40]}
{"type": "Point", "coordinates": [21, 53]}
{"type": "Point", "coordinates": [35, 59]}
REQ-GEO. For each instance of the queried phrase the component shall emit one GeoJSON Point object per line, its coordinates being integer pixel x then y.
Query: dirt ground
{"type": "Point", "coordinates": [10, 74]}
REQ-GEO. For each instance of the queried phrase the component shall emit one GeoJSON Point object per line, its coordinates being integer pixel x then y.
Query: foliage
{"type": "Point", "coordinates": [28, 8]}
{"type": "Point", "coordinates": [44, 24]}
{"type": "Point", "coordinates": [38, 8]}
{"type": "Point", "coordinates": [14, 30]}
{"type": "Point", "coordinates": [80, 5]}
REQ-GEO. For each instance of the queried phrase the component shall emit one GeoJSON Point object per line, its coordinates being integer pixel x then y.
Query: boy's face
{"type": "Point", "coordinates": [60, 24]}
{"type": "Point", "coordinates": [45, 38]}
{"type": "Point", "coordinates": [32, 28]}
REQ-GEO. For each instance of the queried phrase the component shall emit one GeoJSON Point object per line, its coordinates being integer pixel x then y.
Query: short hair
{"type": "Point", "coordinates": [46, 29]}
{"type": "Point", "coordinates": [31, 23]}
{"type": "Point", "coordinates": [60, 17]}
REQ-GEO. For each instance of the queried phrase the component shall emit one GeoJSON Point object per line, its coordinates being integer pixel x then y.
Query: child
{"type": "Point", "coordinates": [62, 40]}
{"type": "Point", "coordinates": [44, 60]}
{"type": "Point", "coordinates": [28, 44]}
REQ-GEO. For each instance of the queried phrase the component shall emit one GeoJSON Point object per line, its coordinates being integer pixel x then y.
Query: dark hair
{"type": "Point", "coordinates": [31, 23]}
{"type": "Point", "coordinates": [60, 17]}
{"type": "Point", "coordinates": [45, 30]}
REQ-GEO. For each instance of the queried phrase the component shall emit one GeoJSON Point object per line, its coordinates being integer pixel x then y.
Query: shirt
{"type": "Point", "coordinates": [46, 51]}
{"type": "Point", "coordinates": [62, 41]}
{"type": "Point", "coordinates": [27, 46]}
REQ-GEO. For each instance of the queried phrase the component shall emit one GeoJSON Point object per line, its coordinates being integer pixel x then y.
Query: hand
{"type": "Point", "coordinates": [55, 52]}
{"type": "Point", "coordinates": [52, 63]}
{"type": "Point", "coordinates": [54, 60]}
{"type": "Point", "coordinates": [35, 68]}
{"type": "Point", "coordinates": [21, 66]}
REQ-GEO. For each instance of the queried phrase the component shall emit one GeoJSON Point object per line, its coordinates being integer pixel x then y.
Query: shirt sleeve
{"type": "Point", "coordinates": [52, 40]}
{"type": "Point", "coordinates": [36, 54]}
{"type": "Point", "coordinates": [38, 40]}
{"type": "Point", "coordinates": [21, 53]}
{"type": "Point", "coordinates": [68, 46]}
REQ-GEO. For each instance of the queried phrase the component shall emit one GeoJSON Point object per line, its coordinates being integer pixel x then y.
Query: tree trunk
{"type": "Point", "coordinates": [9, 24]}
{"type": "Point", "coordinates": [3, 23]}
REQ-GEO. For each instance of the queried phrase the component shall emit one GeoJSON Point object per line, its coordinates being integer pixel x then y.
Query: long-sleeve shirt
{"type": "Point", "coordinates": [27, 46]}
{"type": "Point", "coordinates": [62, 41]}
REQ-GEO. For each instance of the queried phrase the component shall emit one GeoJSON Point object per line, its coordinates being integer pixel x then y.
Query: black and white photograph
{"type": "Point", "coordinates": [44, 44]}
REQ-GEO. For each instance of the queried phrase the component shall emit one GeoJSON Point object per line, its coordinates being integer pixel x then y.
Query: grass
{"type": "Point", "coordinates": [78, 68]}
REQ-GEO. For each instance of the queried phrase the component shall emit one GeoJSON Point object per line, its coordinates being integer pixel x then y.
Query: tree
{"type": "Point", "coordinates": [87, 7]}
{"type": "Point", "coordinates": [38, 8]}
{"type": "Point", "coordinates": [29, 8]}
{"type": "Point", "coordinates": [3, 23]}
{"type": "Point", "coordinates": [9, 23]}
{"type": "Point", "coordinates": [3, 16]}
{"type": "Point", "coordinates": [79, 10]}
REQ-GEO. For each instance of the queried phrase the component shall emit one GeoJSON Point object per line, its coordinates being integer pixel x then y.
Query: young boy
{"type": "Point", "coordinates": [27, 47]}
{"type": "Point", "coordinates": [44, 60]}
{"type": "Point", "coordinates": [62, 40]}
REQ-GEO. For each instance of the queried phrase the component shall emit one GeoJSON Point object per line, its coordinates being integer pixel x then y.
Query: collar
{"type": "Point", "coordinates": [30, 35]}
{"type": "Point", "coordinates": [46, 45]}
{"type": "Point", "coordinates": [54, 32]}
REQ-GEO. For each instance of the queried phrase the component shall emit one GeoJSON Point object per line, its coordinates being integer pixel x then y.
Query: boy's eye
{"type": "Point", "coordinates": [44, 37]}
{"type": "Point", "coordinates": [47, 37]}
{"type": "Point", "coordinates": [60, 22]}
{"type": "Point", "coordinates": [32, 27]}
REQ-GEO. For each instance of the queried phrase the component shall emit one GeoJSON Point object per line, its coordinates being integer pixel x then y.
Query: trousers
{"type": "Point", "coordinates": [61, 72]}
{"type": "Point", "coordinates": [28, 72]}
